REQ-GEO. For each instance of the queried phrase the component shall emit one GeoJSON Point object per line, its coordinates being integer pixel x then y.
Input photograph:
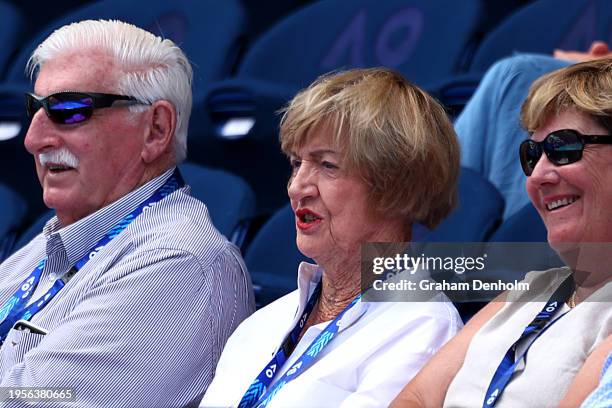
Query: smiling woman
{"type": "Point", "coordinates": [565, 315]}
{"type": "Point", "coordinates": [371, 154]}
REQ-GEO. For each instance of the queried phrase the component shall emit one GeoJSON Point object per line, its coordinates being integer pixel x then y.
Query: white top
{"type": "Point", "coordinates": [378, 349]}
{"type": "Point", "coordinates": [553, 359]}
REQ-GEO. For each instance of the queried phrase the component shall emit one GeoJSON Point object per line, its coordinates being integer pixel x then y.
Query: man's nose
{"type": "Point", "coordinates": [40, 134]}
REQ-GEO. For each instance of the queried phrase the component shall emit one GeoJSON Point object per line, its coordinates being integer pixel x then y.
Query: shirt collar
{"type": "Point", "coordinates": [79, 237]}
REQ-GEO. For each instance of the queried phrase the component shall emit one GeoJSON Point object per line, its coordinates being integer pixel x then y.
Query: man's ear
{"type": "Point", "coordinates": [159, 134]}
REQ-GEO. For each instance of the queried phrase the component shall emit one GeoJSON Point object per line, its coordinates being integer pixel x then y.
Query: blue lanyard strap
{"type": "Point", "coordinates": [259, 392]}
{"type": "Point", "coordinates": [536, 328]}
{"type": "Point", "coordinates": [16, 307]}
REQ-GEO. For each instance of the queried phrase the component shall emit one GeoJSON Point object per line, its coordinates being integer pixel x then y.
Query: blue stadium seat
{"type": "Point", "coordinates": [273, 258]}
{"type": "Point", "coordinates": [525, 225]}
{"type": "Point", "coordinates": [33, 230]}
{"type": "Point", "coordinates": [11, 217]}
{"type": "Point", "coordinates": [17, 170]}
{"type": "Point", "coordinates": [12, 23]}
{"type": "Point", "coordinates": [477, 215]}
{"type": "Point", "coordinates": [230, 201]}
{"type": "Point", "coordinates": [208, 31]}
{"type": "Point", "coordinates": [545, 25]}
{"type": "Point", "coordinates": [407, 35]}
{"type": "Point", "coordinates": [540, 27]}
{"type": "Point", "coordinates": [423, 39]}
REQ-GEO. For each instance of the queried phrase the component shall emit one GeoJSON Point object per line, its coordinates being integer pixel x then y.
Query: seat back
{"type": "Point", "coordinates": [545, 25]}
{"type": "Point", "coordinates": [12, 23]}
{"type": "Point", "coordinates": [525, 225]}
{"type": "Point", "coordinates": [17, 169]}
{"type": "Point", "coordinates": [407, 35]}
{"type": "Point", "coordinates": [11, 218]}
{"type": "Point", "coordinates": [208, 31]}
{"type": "Point", "coordinates": [423, 39]}
{"type": "Point", "coordinates": [273, 258]}
{"type": "Point", "coordinates": [33, 230]}
{"type": "Point", "coordinates": [478, 213]}
{"type": "Point", "coordinates": [230, 201]}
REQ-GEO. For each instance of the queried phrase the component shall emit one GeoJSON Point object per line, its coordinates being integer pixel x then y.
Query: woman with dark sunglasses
{"type": "Point", "coordinates": [524, 349]}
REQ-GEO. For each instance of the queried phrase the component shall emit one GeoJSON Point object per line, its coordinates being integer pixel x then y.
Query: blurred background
{"type": "Point", "coordinates": [250, 57]}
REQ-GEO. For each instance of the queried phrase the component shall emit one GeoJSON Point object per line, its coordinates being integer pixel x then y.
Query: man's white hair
{"type": "Point", "coordinates": [152, 68]}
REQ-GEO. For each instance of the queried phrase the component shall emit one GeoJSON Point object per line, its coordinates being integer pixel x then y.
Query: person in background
{"type": "Point", "coordinates": [128, 295]}
{"type": "Point", "coordinates": [371, 154]}
{"type": "Point", "coordinates": [488, 127]}
{"type": "Point", "coordinates": [565, 314]}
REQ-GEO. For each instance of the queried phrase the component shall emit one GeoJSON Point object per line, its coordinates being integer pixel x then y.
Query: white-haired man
{"type": "Point", "coordinates": [128, 296]}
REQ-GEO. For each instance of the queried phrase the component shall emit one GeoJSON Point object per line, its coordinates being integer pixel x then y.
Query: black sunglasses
{"type": "Point", "coordinates": [561, 147]}
{"type": "Point", "coordinates": [72, 107]}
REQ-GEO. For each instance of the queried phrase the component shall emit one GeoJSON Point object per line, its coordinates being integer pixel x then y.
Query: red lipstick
{"type": "Point", "coordinates": [306, 219]}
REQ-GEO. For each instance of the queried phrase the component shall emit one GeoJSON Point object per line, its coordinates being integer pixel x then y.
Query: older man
{"type": "Point", "coordinates": [128, 296]}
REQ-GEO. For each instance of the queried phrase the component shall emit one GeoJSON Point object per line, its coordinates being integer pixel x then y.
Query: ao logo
{"type": "Point", "coordinates": [493, 397]}
{"type": "Point", "coordinates": [395, 40]}
{"type": "Point", "coordinates": [27, 285]}
{"type": "Point", "coordinates": [303, 320]}
{"type": "Point", "coordinates": [270, 371]}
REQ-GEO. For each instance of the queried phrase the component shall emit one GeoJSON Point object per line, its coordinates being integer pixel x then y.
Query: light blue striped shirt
{"type": "Point", "coordinates": [144, 322]}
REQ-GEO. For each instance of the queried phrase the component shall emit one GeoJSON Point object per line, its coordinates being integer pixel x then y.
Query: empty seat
{"type": "Point", "coordinates": [230, 201]}
{"type": "Point", "coordinates": [545, 25]}
{"type": "Point", "coordinates": [423, 39]}
{"type": "Point", "coordinates": [478, 213]}
{"type": "Point", "coordinates": [32, 230]}
{"type": "Point", "coordinates": [208, 31]}
{"type": "Point", "coordinates": [11, 218]}
{"type": "Point", "coordinates": [12, 23]}
{"type": "Point", "coordinates": [540, 27]}
{"type": "Point", "coordinates": [273, 258]}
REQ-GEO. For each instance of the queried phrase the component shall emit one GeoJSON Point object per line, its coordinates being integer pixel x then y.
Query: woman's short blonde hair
{"type": "Point", "coordinates": [586, 87]}
{"type": "Point", "coordinates": [393, 135]}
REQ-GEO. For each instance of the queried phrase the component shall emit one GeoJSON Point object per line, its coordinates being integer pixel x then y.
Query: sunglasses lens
{"type": "Point", "coordinates": [563, 147]}
{"type": "Point", "coordinates": [32, 105]}
{"type": "Point", "coordinates": [69, 108]}
{"type": "Point", "coordinates": [530, 152]}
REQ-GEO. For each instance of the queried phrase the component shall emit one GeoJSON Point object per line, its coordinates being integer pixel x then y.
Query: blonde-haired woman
{"type": "Point", "coordinates": [371, 154]}
{"type": "Point", "coordinates": [526, 349]}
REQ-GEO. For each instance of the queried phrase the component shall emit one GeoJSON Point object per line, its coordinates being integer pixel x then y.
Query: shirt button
{"type": "Point", "coordinates": [52, 276]}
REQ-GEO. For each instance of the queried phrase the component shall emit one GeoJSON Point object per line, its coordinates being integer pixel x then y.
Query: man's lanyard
{"type": "Point", "coordinates": [537, 327]}
{"type": "Point", "coordinates": [17, 308]}
{"type": "Point", "coordinates": [258, 391]}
